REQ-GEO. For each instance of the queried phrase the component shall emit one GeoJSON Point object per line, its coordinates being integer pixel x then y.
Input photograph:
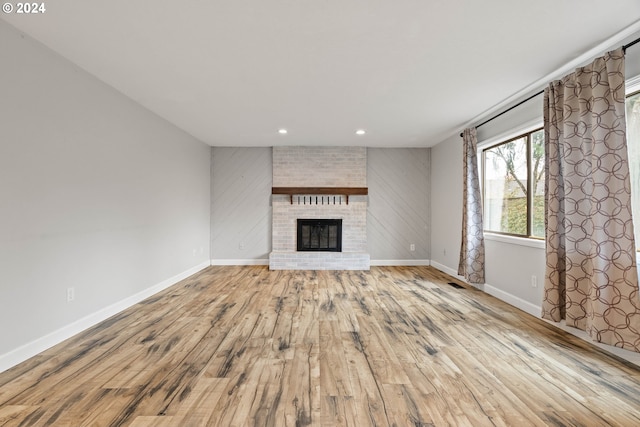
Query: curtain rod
{"type": "Point", "coordinates": [624, 49]}
{"type": "Point", "coordinates": [628, 45]}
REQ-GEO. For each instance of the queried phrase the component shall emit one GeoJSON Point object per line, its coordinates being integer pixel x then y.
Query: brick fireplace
{"type": "Point", "coordinates": [314, 167]}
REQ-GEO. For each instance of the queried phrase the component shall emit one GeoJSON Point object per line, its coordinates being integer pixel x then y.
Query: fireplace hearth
{"type": "Point", "coordinates": [319, 235]}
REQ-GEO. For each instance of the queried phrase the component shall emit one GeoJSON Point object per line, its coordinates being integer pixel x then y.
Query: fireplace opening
{"type": "Point", "coordinates": [320, 235]}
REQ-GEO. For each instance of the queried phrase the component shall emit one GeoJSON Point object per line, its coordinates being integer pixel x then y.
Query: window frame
{"type": "Point", "coordinates": [496, 142]}
{"type": "Point", "coordinates": [633, 89]}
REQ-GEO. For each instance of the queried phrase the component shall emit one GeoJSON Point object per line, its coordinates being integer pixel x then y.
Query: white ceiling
{"type": "Point", "coordinates": [410, 72]}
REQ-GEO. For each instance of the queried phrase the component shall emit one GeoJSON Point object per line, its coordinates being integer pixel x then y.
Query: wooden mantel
{"type": "Point", "coordinates": [343, 191]}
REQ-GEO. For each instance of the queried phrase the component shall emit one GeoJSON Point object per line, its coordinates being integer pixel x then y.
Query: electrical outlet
{"type": "Point", "coordinates": [534, 281]}
{"type": "Point", "coordinates": [444, 252]}
{"type": "Point", "coordinates": [71, 294]}
{"type": "Point", "coordinates": [412, 247]}
{"type": "Point", "coordinates": [241, 246]}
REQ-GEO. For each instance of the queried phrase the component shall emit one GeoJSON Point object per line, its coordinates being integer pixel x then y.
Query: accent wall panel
{"type": "Point", "coordinates": [399, 196]}
{"type": "Point", "coordinates": [240, 203]}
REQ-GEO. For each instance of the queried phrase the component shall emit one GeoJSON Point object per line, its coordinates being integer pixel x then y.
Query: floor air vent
{"type": "Point", "coordinates": [455, 285]}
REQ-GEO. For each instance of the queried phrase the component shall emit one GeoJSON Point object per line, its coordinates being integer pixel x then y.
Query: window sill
{"type": "Point", "coordinates": [512, 240]}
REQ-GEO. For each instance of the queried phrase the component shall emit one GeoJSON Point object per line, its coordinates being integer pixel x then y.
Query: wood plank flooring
{"type": "Point", "coordinates": [395, 346]}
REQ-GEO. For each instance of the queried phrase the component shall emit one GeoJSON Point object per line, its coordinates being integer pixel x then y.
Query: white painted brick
{"type": "Point", "coordinates": [319, 167]}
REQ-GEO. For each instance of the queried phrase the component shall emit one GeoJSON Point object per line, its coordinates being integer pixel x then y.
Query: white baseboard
{"type": "Point", "coordinates": [399, 262]}
{"type": "Point", "coordinates": [239, 262]}
{"type": "Point", "coordinates": [628, 355]}
{"type": "Point", "coordinates": [449, 271]}
{"type": "Point", "coordinates": [379, 262]}
{"type": "Point", "coordinates": [513, 300]}
{"type": "Point", "coordinates": [41, 344]}
{"type": "Point", "coordinates": [536, 311]}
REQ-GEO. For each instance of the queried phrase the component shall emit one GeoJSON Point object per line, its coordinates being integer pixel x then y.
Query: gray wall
{"type": "Point", "coordinates": [96, 193]}
{"type": "Point", "coordinates": [509, 266]}
{"type": "Point", "coordinates": [399, 198]}
{"type": "Point", "coordinates": [240, 204]}
{"type": "Point", "coordinates": [446, 202]}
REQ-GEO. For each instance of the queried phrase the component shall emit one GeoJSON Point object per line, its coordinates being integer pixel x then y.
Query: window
{"type": "Point", "coordinates": [633, 145]}
{"type": "Point", "coordinates": [514, 186]}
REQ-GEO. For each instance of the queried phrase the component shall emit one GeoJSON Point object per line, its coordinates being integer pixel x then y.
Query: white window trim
{"type": "Point", "coordinates": [524, 128]}
{"type": "Point", "coordinates": [527, 127]}
{"type": "Point", "coordinates": [515, 240]}
{"type": "Point", "coordinates": [632, 85]}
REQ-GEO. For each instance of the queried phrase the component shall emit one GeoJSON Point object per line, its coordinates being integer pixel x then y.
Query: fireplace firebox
{"type": "Point", "coordinates": [322, 235]}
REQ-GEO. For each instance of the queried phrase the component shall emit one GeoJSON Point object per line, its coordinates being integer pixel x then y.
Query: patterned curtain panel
{"type": "Point", "coordinates": [591, 276]}
{"type": "Point", "coordinates": [471, 265]}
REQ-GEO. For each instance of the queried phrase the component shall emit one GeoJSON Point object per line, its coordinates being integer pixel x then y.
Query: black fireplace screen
{"type": "Point", "coordinates": [320, 235]}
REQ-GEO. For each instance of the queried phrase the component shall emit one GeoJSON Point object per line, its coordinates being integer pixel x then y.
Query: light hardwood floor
{"type": "Point", "coordinates": [235, 346]}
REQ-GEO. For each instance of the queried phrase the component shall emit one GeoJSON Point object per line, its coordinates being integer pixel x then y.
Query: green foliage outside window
{"type": "Point", "coordinates": [512, 170]}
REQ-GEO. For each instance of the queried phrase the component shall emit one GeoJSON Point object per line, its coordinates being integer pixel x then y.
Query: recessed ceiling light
{"type": "Point", "coordinates": [360, 132]}
{"type": "Point", "coordinates": [282, 131]}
